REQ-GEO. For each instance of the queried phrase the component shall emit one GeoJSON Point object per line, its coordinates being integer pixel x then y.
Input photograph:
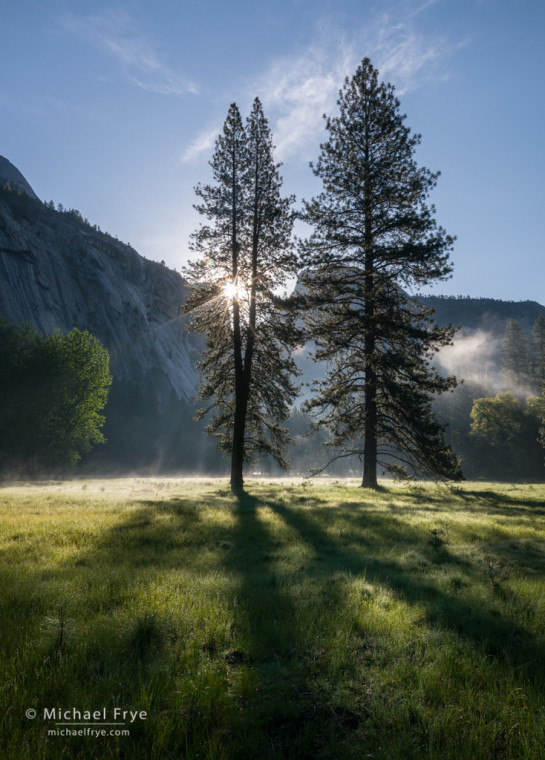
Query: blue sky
{"type": "Point", "coordinates": [112, 108]}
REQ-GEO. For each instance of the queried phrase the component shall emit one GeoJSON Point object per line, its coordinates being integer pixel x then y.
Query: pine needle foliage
{"type": "Point", "coordinates": [246, 257]}
{"type": "Point", "coordinates": [536, 348]}
{"type": "Point", "coordinates": [515, 375]}
{"type": "Point", "coordinates": [374, 235]}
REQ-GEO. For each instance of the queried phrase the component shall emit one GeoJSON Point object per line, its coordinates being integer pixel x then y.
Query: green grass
{"type": "Point", "coordinates": [316, 621]}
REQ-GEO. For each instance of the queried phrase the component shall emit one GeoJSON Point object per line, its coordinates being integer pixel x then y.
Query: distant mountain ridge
{"type": "Point", "coordinates": [488, 314]}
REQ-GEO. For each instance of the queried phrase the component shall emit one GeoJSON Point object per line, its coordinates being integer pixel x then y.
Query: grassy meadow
{"type": "Point", "coordinates": [296, 620]}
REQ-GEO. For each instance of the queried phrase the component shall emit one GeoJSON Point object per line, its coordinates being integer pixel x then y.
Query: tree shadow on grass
{"type": "Point", "coordinates": [352, 552]}
{"type": "Point", "coordinates": [487, 629]}
{"type": "Point", "coordinates": [283, 711]}
{"type": "Point", "coordinates": [294, 720]}
{"type": "Point", "coordinates": [280, 712]}
{"type": "Point", "coordinates": [495, 502]}
{"type": "Point", "coordinates": [145, 542]}
{"type": "Point", "coordinates": [267, 610]}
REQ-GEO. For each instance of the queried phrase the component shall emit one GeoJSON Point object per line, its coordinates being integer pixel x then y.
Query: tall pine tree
{"type": "Point", "coordinates": [536, 351]}
{"type": "Point", "coordinates": [374, 235]}
{"type": "Point", "coordinates": [514, 368]}
{"type": "Point", "coordinates": [246, 259]}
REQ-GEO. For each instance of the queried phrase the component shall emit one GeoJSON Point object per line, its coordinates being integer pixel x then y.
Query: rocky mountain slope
{"type": "Point", "coordinates": [13, 179]}
{"type": "Point", "coordinates": [57, 271]}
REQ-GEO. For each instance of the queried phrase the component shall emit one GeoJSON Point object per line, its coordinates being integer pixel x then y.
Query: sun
{"type": "Point", "coordinates": [229, 290]}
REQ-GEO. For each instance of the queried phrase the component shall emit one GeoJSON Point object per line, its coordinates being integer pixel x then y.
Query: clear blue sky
{"type": "Point", "coordinates": [112, 108]}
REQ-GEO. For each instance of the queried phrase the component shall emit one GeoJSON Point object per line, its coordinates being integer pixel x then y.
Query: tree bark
{"type": "Point", "coordinates": [237, 454]}
{"type": "Point", "coordinates": [370, 445]}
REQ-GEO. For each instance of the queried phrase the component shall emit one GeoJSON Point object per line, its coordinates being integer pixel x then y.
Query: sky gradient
{"type": "Point", "coordinates": [113, 109]}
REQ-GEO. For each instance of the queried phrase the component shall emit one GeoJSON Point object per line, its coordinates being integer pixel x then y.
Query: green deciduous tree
{"type": "Point", "coordinates": [374, 235]}
{"type": "Point", "coordinates": [52, 392]}
{"type": "Point", "coordinates": [509, 431]}
{"type": "Point", "coordinates": [246, 258]}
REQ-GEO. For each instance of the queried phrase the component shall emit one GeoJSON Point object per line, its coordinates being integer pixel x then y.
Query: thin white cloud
{"type": "Point", "coordinates": [404, 57]}
{"type": "Point", "coordinates": [299, 91]}
{"type": "Point", "coordinates": [420, 8]}
{"type": "Point", "coordinates": [142, 64]}
{"type": "Point", "coordinates": [296, 91]}
{"type": "Point", "coordinates": [203, 143]}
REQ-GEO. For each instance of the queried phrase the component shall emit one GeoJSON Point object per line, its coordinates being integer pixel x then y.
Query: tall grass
{"type": "Point", "coordinates": [292, 621]}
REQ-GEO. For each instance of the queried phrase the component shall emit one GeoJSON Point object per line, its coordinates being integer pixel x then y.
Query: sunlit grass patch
{"type": "Point", "coordinates": [293, 621]}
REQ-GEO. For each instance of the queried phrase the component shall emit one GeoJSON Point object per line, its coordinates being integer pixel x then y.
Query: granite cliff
{"type": "Point", "coordinates": [11, 177]}
{"type": "Point", "coordinates": [57, 271]}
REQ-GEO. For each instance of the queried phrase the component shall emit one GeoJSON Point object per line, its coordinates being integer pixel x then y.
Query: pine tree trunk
{"type": "Point", "coordinates": [243, 369]}
{"type": "Point", "coordinates": [241, 405]}
{"type": "Point", "coordinates": [237, 454]}
{"type": "Point", "coordinates": [370, 446]}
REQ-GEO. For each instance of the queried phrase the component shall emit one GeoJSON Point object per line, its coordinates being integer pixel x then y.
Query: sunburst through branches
{"type": "Point", "coordinates": [230, 290]}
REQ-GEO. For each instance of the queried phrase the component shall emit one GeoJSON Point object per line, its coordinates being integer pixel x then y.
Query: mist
{"type": "Point", "coordinates": [475, 356]}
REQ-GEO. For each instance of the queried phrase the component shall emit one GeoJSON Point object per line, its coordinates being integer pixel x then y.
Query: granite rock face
{"type": "Point", "coordinates": [56, 271]}
{"type": "Point", "coordinates": [10, 175]}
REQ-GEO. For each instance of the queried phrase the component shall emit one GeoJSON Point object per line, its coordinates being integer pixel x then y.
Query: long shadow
{"type": "Point", "coordinates": [143, 542]}
{"type": "Point", "coordinates": [501, 502]}
{"type": "Point", "coordinates": [266, 640]}
{"type": "Point", "coordinates": [293, 720]}
{"type": "Point", "coordinates": [488, 630]}
{"type": "Point", "coordinates": [266, 607]}
{"type": "Point", "coordinates": [481, 502]}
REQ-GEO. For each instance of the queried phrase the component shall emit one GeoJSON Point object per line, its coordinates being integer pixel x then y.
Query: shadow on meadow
{"type": "Point", "coordinates": [284, 698]}
{"type": "Point", "coordinates": [246, 549]}
{"type": "Point", "coordinates": [486, 629]}
{"type": "Point", "coordinates": [483, 501]}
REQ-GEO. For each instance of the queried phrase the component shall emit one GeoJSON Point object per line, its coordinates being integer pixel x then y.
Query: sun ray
{"type": "Point", "coordinates": [229, 289]}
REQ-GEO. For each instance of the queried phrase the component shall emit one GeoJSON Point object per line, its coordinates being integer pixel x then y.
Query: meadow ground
{"type": "Point", "coordinates": [293, 621]}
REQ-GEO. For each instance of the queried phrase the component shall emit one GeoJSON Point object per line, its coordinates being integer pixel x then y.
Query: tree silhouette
{"type": "Point", "coordinates": [246, 260]}
{"type": "Point", "coordinates": [374, 235]}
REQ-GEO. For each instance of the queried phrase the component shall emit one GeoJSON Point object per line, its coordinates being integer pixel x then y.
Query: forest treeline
{"type": "Point", "coordinates": [498, 431]}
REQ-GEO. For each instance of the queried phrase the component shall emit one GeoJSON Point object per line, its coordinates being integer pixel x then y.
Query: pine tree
{"type": "Point", "coordinates": [373, 235]}
{"type": "Point", "coordinates": [246, 258]}
{"type": "Point", "coordinates": [536, 352]}
{"type": "Point", "coordinates": [515, 359]}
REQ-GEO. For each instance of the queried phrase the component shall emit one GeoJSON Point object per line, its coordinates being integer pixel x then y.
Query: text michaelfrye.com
{"type": "Point", "coordinates": [75, 722]}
